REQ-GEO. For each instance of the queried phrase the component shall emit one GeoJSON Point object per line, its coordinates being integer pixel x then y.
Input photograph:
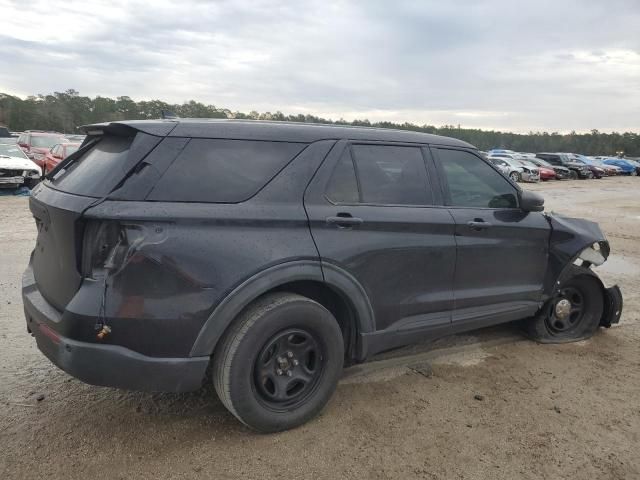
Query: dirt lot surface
{"type": "Point", "coordinates": [487, 405]}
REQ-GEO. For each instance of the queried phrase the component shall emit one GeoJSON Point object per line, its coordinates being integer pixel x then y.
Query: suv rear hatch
{"type": "Point", "coordinates": [106, 159]}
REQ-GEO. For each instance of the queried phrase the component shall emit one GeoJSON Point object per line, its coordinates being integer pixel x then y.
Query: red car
{"type": "Point", "coordinates": [36, 144]}
{"type": "Point", "coordinates": [58, 153]}
{"type": "Point", "coordinates": [547, 173]}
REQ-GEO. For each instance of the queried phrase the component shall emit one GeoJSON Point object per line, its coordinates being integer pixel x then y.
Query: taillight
{"type": "Point", "coordinates": [108, 245]}
{"type": "Point", "coordinates": [104, 244]}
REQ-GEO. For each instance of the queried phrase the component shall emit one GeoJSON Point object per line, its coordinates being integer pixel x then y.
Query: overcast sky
{"type": "Point", "coordinates": [505, 64]}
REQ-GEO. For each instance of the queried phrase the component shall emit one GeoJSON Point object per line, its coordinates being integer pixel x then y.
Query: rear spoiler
{"type": "Point", "coordinates": [158, 128]}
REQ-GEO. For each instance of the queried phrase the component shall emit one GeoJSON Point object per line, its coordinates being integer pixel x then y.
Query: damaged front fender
{"type": "Point", "coordinates": [578, 241]}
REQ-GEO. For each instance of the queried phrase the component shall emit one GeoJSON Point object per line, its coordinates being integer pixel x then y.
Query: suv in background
{"type": "Point", "coordinates": [36, 144]}
{"type": "Point", "coordinates": [264, 256]}
{"type": "Point", "coordinates": [576, 169]}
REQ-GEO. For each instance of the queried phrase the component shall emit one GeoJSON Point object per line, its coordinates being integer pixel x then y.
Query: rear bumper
{"type": "Point", "coordinates": [102, 364]}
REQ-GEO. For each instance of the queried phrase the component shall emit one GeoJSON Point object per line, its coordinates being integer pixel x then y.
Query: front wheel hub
{"type": "Point", "coordinates": [563, 308]}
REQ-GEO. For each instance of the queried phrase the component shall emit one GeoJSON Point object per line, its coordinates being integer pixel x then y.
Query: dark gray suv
{"type": "Point", "coordinates": [266, 256]}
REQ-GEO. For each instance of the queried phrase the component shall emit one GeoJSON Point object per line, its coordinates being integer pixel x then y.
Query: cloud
{"type": "Point", "coordinates": [492, 64]}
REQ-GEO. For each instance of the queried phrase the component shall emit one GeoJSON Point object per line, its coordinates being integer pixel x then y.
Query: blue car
{"type": "Point", "coordinates": [628, 168]}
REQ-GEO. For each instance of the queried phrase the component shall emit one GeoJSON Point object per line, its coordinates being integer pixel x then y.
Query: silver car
{"type": "Point", "coordinates": [518, 170]}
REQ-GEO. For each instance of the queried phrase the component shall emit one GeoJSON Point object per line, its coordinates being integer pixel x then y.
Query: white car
{"type": "Point", "coordinates": [16, 169]}
{"type": "Point", "coordinates": [517, 169]}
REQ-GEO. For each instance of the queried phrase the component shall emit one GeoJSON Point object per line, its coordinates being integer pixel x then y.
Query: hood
{"type": "Point", "coordinates": [18, 163]}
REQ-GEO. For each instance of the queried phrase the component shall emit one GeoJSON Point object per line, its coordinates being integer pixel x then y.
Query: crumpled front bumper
{"type": "Point", "coordinates": [612, 306]}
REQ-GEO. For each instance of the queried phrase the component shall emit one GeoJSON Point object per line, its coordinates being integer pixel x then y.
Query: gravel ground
{"type": "Point", "coordinates": [486, 405]}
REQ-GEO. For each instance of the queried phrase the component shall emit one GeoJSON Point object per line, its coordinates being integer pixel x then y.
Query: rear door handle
{"type": "Point", "coordinates": [478, 224]}
{"type": "Point", "coordinates": [344, 221]}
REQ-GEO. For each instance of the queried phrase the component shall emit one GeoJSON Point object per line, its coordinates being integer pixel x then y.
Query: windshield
{"type": "Point", "coordinates": [11, 151]}
{"type": "Point", "coordinates": [46, 141]}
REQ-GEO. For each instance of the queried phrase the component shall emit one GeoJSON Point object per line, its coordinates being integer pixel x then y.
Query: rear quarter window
{"type": "Point", "coordinates": [222, 171]}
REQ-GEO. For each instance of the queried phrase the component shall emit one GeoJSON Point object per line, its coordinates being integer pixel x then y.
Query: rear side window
{"type": "Point", "coordinates": [391, 175]}
{"type": "Point", "coordinates": [222, 171]}
{"type": "Point", "coordinates": [98, 171]}
{"type": "Point", "coordinates": [473, 183]}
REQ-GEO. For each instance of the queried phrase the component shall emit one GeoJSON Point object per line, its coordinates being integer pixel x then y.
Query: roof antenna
{"type": "Point", "coordinates": [168, 115]}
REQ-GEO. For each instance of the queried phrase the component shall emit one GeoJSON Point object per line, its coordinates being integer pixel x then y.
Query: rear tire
{"type": "Point", "coordinates": [279, 363]}
{"type": "Point", "coordinates": [581, 295]}
{"type": "Point", "coordinates": [573, 175]}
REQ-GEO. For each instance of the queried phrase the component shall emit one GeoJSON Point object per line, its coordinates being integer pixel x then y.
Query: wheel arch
{"type": "Point", "coordinates": [329, 285]}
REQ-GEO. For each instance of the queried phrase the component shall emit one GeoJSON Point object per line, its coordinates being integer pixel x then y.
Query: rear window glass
{"type": "Point", "coordinates": [98, 171]}
{"type": "Point", "coordinates": [222, 171]}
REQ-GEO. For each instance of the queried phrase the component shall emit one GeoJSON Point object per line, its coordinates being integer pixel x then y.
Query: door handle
{"type": "Point", "coordinates": [478, 224]}
{"type": "Point", "coordinates": [343, 220]}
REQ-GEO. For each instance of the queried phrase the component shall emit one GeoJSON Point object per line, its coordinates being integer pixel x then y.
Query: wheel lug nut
{"type": "Point", "coordinates": [290, 354]}
{"type": "Point", "coordinates": [295, 363]}
{"type": "Point", "coordinates": [289, 373]}
{"type": "Point", "coordinates": [279, 372]}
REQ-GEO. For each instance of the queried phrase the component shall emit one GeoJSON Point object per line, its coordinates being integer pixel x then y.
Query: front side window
{"type": "Point", "coordinates": [473, 183]}
{"type": "Point", "coordinates": [391, 175]}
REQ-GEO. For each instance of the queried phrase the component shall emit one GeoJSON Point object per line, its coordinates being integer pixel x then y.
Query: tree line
{"type": "Point", "coordinates": [65, 111]}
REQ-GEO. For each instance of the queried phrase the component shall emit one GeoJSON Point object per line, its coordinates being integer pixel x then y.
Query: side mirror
{"type": "Point", "coordinates": [531, 201]}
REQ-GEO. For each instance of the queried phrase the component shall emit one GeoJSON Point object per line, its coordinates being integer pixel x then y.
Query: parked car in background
{"type": "Point", "coordinates": [4, 132]}
{"type": "Point", "coordinates": [610, 170]}
{"type": "Point", "coordinates": [562, 173]}
{"type": "Point", "coordinates": [546, 173]}
{"type": "Point", "coordinates": [58, 153]}
{"type": "Point", "coordinates": [518, 171]}
{"type": "Point", "coordinates": [15, 168]}
{"type": "Point", "coordinates": [505, 168]}
{"type": "Point", "coordinates": [634, 163]}
{"type": "Point", "coordinates": [597, 171]}
{"type": "Point", "coordinates": [36, 144]}
{"type": "Point", "coordinates": [628, 168]}
{"type": "Point", "coordinates": [263, 257]}
{"type": "Point", "coordinates": [576, 169]}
